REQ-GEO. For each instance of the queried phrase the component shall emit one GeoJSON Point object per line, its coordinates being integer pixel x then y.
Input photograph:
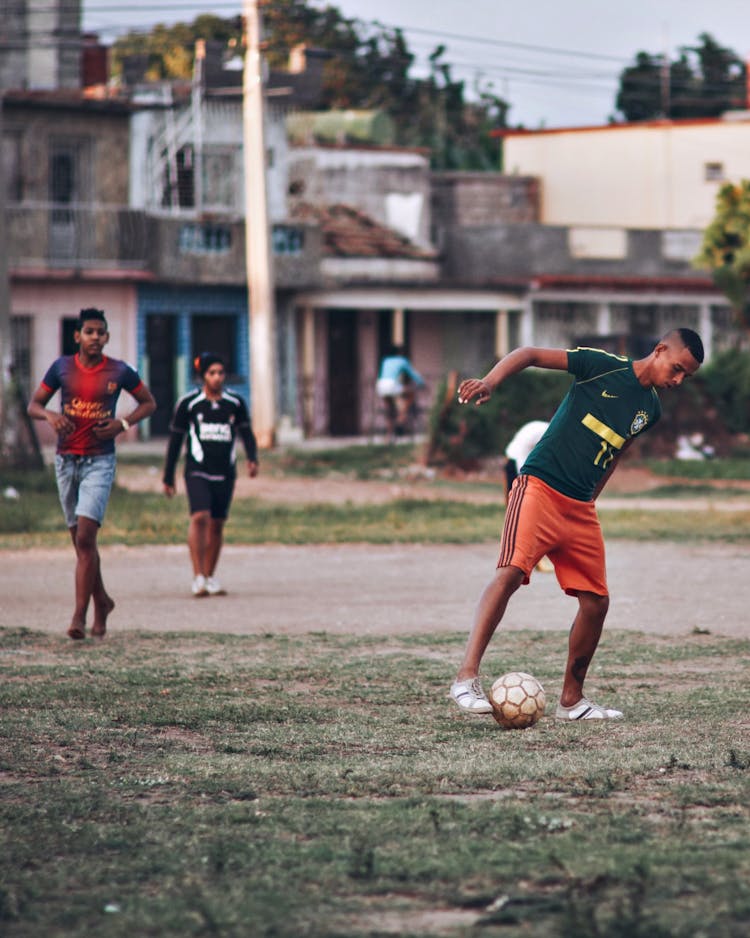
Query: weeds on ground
{"type": "Point", "coordinates": [139, 518]}
{"type": "Point", "coordinates": [323, 785]}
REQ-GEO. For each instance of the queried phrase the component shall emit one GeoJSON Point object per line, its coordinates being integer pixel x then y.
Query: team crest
{"type": "Point", "coordinates": [111, 387]}
{"type": "Point", "coordinates": [639, 422]}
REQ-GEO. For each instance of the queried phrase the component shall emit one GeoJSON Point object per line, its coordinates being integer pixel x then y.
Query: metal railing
{"type": "Point", "coordinates": [53, 235]}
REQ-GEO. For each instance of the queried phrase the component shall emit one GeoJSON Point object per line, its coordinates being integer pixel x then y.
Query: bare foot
{"type": "Point", "coordinates": [77, 630]}
{"type": "Point", "coordinates": [101, 611]}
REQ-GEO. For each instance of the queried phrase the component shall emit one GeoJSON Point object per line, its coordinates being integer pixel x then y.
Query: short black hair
{"type": "Point", "coordinates": [204, 361]}
{"type": "Point", "coordinates": [692, 342]}
{"type": "Point", "coordinates": [91, 312]}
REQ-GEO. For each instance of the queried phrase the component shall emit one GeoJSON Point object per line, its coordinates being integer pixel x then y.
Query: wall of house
{"type": "Point", "coordinates": [44, 43]}
{"type": "Point", "coordinates": [485, 254]}
{"type": "Point", "coordinates": [471, 199]}
{"type": "Point", "coordinates": [391, 186]}
{"type": "Point", "coordinates": [655, 175]}
{"type": "Point", "coordinates": [97, 135]}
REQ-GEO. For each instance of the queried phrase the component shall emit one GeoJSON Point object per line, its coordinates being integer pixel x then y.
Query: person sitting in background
{"type": "Point", "coordinates": [519, 448]}
{"type": "Point", "coordinates": [397, 385]}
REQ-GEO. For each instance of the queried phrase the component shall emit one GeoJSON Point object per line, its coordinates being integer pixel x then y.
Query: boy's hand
{"type": "Point", "coordinates": [61, 424]}
{"type": "Point", "coordinates": [473, 389]}
{"type": "Point", "coordinates": [107, 429]}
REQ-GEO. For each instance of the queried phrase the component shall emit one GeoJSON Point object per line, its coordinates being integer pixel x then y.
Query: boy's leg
{"type": "Point", "coordinates": [214, 541]}
{"type": "Point", "coordinates": [103, 602]}
{"type": "Point", "coordinates": [489, 612]}
{"type": "Point", "coordinates": [87, 574]}
{"type": "Point", "coordinates": [198, 541]}
{"type": "Point", "coordinates": [582, 643]}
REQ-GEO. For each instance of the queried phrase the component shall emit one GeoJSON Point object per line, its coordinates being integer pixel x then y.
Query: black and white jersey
{"type": "Point", "coordinates": [211, 428]}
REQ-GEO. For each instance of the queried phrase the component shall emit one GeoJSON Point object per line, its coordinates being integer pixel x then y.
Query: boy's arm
{"type": "Point", "coordinates": [38, 410]}
{"type": "Point", "coordinates": [109, 429]}
{"type": "Point", "coordinates": [170, 462]}
{"type": "Point", "coordinates": [480, 389]}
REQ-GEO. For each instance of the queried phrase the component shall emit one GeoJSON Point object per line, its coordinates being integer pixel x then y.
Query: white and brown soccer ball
{"type": "Point", "coordinates": [517, 700]}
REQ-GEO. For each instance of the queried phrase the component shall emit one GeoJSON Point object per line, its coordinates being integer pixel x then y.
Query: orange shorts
{"type": "Point", "coordinates": [541, 522]}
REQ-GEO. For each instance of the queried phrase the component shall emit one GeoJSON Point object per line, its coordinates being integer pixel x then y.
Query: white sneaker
{"type": "Point", "coordinates": [199, 586]}
{"type": "Point", "coordinates": [586, 710]}
{"type": "Point", "coordinates": [213, 587]}
{"type": "Point", "coordinates": [469, 696]}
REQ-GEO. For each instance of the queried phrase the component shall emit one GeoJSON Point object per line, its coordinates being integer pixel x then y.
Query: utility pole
{"type": "Point", "coordinates": [257, 239]}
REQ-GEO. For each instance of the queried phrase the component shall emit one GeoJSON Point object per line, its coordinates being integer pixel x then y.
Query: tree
{"type": "Point", "coordinates": [726, 248]}
{"type": "Point", "coordinates": [369, 68]}
{"type": "Point", "coordinates": [706, 80]}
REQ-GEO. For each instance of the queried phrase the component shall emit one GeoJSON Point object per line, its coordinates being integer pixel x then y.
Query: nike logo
{"type": "Point", "coordinates": [607, 394]}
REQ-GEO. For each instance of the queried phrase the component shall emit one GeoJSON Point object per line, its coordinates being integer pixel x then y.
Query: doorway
{"type": "Point", "coordinates": [343, 373]}
{"type": "Point", "coordinates": [161, 349]}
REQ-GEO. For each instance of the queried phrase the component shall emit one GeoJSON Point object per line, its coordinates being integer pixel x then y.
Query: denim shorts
{"type": "Point", "coordinates": [84, 484]}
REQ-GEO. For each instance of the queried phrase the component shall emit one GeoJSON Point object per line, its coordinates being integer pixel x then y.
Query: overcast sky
{"type": "Point", "coordinates": [556, 61]}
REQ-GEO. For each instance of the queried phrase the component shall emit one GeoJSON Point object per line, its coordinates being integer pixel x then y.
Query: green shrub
{"type": "Point", "coordinates": [463, 434]}
{"type": "Point", "coordinates": [727, 379]}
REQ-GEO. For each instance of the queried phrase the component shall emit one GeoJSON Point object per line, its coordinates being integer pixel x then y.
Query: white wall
{"type": "Point", "coordinates": [391, 186]}
{"type": "Point", "coordinates": [635, 176]}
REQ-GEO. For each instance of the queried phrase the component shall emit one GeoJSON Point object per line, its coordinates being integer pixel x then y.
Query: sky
{"type": "Point", "coordinates": [557, 62]}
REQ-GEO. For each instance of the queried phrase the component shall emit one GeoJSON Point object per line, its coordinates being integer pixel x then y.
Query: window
{"type": "Point", "coordinates": [10, 152]}
{"type": "Point", "coordinates": [179, 180]}
{"type": "Point", "coordinates": [288, 239]}
{"type": "Point", "coordinates": [216, 334]}
{"type": "Point", "coordinates": [219, 178]}
{"type": "Point", "coordinates": [20, 343]}
{"type": "Point", "coordinates": [68, 344]}
{"type": "Point", "coordinates": [205, 239]}
{"type": "Point", "coordinates": [714, 172]}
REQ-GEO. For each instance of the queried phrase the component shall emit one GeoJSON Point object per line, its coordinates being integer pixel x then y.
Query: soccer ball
{"type": "Point", "coordinates": [517, 700]}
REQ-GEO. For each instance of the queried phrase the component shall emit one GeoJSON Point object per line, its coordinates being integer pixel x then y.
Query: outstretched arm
{"type": "Point", "coordinates": [480, 389]}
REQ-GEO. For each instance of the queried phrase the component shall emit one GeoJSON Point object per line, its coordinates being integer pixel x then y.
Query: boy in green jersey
{"type": "Point", "coordinates": [551, 507]}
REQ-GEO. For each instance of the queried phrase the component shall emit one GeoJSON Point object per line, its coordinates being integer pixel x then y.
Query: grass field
{"type": "Point", "coordinates": [148, 518]}
{"type": "Point", "coordinates": [180, 785]}
{"type": "Point", "coordinates": [317, 785]}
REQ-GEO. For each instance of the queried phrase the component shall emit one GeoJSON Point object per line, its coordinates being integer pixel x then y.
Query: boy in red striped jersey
{"type": "Point", "coordinates": [551, 508]}
{"type": "Point", "coordinates": [89, 383]}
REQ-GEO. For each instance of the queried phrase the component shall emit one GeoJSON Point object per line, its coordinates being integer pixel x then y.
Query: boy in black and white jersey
{"type": "Point", "coordinates": [211, 418]}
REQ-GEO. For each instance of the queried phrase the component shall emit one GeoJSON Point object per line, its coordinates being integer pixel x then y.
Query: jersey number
{"type": "Point", "coordinates": [605, 455]}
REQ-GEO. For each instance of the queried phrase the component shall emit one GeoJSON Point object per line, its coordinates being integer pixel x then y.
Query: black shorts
{"type": "Point", "coordinates": [213, 495]}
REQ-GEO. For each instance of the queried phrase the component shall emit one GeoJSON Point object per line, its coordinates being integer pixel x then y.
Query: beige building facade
{"type": "Point", "coordinates": [655, 175]}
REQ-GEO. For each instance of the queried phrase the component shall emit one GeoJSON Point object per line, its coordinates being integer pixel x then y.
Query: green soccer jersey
{"type": "Point", "coordinates": [605, 406]}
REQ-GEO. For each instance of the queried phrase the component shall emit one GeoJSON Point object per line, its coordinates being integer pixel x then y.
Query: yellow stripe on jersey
{"type": "Point", "coordinates": [605, 432]}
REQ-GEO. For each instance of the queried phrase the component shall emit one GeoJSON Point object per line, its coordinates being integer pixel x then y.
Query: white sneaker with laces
{"type": "Point", "coordinates": [213, 587]}
{"type": "Point", "coordinates": [586, 710]}
{"type": "Point", "coordinates": [199, 586]}
{"type": "Point", "coordinates": [469, 696]}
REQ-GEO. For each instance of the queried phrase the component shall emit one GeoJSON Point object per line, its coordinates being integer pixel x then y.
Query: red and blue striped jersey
{"type": "Point", "coordinates": [87, 396]}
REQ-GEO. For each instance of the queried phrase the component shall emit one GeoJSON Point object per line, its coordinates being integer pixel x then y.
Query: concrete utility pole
{"type": "Point", "coordinates": [257, 239]}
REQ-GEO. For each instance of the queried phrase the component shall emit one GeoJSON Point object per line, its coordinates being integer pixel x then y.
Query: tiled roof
{"type": "Point", "coordinates": [348, 232]}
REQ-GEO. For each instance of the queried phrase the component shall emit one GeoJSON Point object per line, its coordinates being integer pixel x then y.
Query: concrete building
{"type": "Point", "coordinates": [660, 175]}
{"type": "Point", "coordinates": [40, 45]}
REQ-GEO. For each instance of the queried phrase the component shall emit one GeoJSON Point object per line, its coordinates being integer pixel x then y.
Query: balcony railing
{"type": "Point", "coordinates": [54, 235]}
